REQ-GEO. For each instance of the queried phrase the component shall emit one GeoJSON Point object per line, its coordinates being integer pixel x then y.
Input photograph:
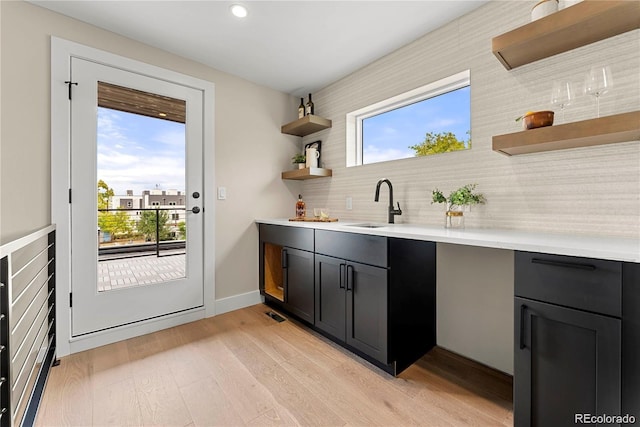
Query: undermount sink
{"type": "Point", "coordinates": [367, 225]}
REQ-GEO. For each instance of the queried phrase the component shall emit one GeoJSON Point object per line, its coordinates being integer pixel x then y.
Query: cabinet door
{"type": "Point", "coordinates": [298, 267]}
{"type": "Point", "coordinates": [567, 362]}
{"type": "Point", "coordinates": [330, 295]}
{"type": "Point", "coordinates": [366, 288]}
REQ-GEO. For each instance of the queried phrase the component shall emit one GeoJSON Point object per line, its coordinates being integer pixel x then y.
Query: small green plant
{"type": "Point", "coordinates": [460, 197]}
{"type": "Point", "coordinates": [299, 158]}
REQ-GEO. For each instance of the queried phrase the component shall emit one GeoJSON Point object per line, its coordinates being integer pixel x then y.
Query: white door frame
{"type": "Point", "coordinates": [61, 53]}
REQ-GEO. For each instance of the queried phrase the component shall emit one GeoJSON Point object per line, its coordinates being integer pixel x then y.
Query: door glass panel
{"type": "Point", "coordinates": [140, 188]}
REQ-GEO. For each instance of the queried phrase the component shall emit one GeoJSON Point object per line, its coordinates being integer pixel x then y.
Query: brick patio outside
{"type": "Point", "coordinates": [147, 270]}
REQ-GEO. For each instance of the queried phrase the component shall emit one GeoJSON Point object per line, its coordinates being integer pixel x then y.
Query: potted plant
{"type": "Point", "coordinates": [300, 160]}
{"type": "Point", "coordinates": [456, 202]}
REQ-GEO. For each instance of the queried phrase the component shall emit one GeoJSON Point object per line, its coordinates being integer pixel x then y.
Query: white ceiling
{"type": "Point", "coordinates": [295, 47]}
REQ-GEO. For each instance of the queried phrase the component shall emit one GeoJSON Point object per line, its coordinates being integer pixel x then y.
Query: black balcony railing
{"type": "Point", "coordinates": [161, 235]}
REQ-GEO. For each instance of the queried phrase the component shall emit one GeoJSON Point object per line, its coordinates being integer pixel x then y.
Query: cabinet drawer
{"type": "Point", "coordinates": [583, 283]}
{"type": "Point", "coordinates": [293, 237]}
{"type": "Point", "coordinates": [361, 248]}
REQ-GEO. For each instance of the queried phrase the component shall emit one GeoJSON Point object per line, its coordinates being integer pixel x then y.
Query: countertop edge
{"type": "Point", "coordinates": [599, 247]}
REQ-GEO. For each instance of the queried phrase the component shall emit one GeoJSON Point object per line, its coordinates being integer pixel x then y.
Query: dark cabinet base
{"type": "Point", "coordinates": [577, 340]}
{"type": "Point", "coordinates": [391, 368]}
{"type": "Point", "coordinates": [631, 340]}
{"type": "Point", "coordinates": [567, 362]}
{"type": "Point", "coordinates": [412, 300]}
{"type": "Point", "coordinates": [371, 294]}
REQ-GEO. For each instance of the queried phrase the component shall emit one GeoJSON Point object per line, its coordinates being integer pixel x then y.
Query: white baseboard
{"type": "Point", "coordinates": [110, 336]}
{"type": "Point", "coordinates": [121, 333]}
{"type": "Point", "coordinates": [236, 302]}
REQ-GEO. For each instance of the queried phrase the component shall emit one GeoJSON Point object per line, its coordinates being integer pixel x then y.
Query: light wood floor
{"type": "Point", "coordinates": [244, 368]}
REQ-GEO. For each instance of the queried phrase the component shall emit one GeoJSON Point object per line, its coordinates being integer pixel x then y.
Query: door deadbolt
{"type": "Point", "coordinates": [196, 195]}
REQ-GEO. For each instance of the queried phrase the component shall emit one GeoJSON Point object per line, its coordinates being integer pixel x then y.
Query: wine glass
{"type": "Point", "coordinates": [562, 95]}
{"type": "Point", "coordinates": [597, 82]}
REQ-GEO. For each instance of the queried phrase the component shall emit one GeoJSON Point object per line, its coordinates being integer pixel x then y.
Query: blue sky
{"type": "Point", "coordinates": [388, 136]}
{"type": "Point", "coordinates": [137, 152]}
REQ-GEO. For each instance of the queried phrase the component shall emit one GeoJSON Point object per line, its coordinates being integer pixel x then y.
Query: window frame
{"type": "Point", "coordinates": [354, 119]}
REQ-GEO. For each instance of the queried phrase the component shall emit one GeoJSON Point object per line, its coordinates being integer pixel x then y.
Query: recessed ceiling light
{"type": "Point", "coordinates": [162, 114]}
{"type": "Point", "coordinates": [239, 10]}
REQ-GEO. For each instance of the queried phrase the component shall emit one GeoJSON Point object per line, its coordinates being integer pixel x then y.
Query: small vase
{"type": "Point", "coordinates": [454, 216]}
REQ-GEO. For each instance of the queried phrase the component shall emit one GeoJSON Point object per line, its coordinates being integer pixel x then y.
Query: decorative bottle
{"type": "Point", "coordinates": [300, 207]}
{"type": "Point", "coordinates": [301, 109]}
{"type": "Point", "coordinates": [309, 107]}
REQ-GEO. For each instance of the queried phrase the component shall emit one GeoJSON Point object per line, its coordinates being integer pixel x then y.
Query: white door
{"type": "Point", "coordinates": [133, 283]}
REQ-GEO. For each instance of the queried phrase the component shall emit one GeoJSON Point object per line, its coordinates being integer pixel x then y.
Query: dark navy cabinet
{"type": "Point", "coordinates": [351, 304]}
{"type": "Point", "coordinates": [371, 294]}
{"type": "Point", "coordinates": [376, 296]}
{"type": "Point", "coordinates": [576, 339]}
{"type": "Point", "coordinates": [567, 362]}
{"type": "Point", "coordinates": [286, 269]}
{"type": "Point", "coordinates": [631, 340]}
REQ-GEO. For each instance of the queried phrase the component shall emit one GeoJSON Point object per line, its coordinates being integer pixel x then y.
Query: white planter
{"type": "Point", "coordinates": [544, 8]}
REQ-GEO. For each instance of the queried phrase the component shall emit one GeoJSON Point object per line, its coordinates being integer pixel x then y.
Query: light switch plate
{"type": "Point", "coordinates": [349, 204]}
{"type": "Point", "coordinates": [222, 193]}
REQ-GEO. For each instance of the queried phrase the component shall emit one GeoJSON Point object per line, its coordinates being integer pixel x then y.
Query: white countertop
{"type": "Point", "coordinates": [612, 248]}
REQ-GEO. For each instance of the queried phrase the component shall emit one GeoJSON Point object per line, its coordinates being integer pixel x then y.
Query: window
{"type": "Point", "coordinates": [431, 119]}
{"type": "Point", "coordinates": [172, 203]}
{"type": "Point", "coordinates": [129, 204]}
{"type": "Point", "coordinates": [175, 217]}
{"type": "Point", "coordinates": [155, 203]}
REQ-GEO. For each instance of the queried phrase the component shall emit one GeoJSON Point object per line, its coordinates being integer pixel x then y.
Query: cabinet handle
{"type": "Point", "coordinates": [284, 260]}
{"type": "Point", "coordinates": [579, 266]}
{"type": "Point", "coordinates": [523, 309]}
{"type": "Point", "coordinates": [342, 278]}
{"type": "Point", "coordinates": [349, 277]}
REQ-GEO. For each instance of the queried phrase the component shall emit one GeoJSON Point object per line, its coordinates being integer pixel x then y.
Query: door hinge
{"type": "Point", "coordinates": [69, 83]}
{"type": "Point", "coordinates": [69, 195]}
{"type": "Point", "coordinates": [70, 299]}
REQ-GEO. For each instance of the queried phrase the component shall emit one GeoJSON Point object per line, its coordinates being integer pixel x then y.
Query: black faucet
{"type": "Point", "coordinates": [392, 211]}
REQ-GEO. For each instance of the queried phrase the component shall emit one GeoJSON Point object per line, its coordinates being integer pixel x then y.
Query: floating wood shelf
{"type": "Point", "coordinates": [307, 173]}
{"type": "Point", "coordinates": [306, 125]}
{"type": "Point", "coordinates": [623, 127]}
{"type": "Point", "coordinates": [581, 24]}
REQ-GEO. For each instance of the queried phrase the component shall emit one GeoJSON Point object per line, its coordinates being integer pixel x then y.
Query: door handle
{"type": "Point", "coordinates": [523, 309]}
{"type": "Point", "coordinates": [342, 266]}
{"type": "Point", "coordinates": [195, 210]}
{"type": "Point", "coordinates": [285, 258]}
{"type": "Point", "coordinates": [349, 277]}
